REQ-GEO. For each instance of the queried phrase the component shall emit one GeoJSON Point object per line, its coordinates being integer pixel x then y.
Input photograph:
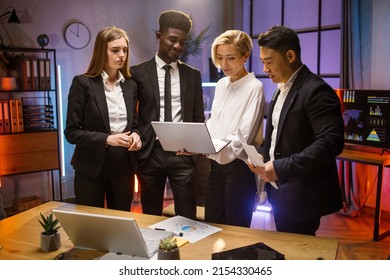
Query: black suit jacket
{"type": "Point", "coordinates": [191, 96]}
{"type": "Point", "coordinates": [88, 126]}
{"type": "Point", "coordinates": [310, 136]}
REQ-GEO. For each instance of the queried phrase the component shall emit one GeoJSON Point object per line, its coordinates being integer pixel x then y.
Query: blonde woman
{"type": "Point", "coordinates": [236, 114]}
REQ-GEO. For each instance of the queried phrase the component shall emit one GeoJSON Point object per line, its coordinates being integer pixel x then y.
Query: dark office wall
{"type": "Point", "coordinates": [138, 17]}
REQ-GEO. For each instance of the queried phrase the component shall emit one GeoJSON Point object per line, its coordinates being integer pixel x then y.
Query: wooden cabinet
{"type": "Point", "coordinates": [28, 152]}
{"type": "Point", "coordinates": [36, 147]}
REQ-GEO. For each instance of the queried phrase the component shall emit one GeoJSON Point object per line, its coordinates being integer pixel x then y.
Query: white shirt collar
{"type": "Point", "coordinates": [105, 77]}
{"type": "Point", "coordinates": [287, 85]}
{"type": "Point", "coordinates": [240, 82]}
{"type": "Point", "coordinates": [161, 63]}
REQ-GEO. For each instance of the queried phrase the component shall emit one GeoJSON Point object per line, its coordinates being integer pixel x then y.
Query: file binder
{"type": "Point", "coordinates": [34, 74]}
{"type": "Point", "coordinates": [19, 115]}
{"type": "Point", "coordinates": [6, 116]}
{"type": "Point", "coordinates": [26, 83]}
{"type": "Point", "coordinates": [1, 118]}
{"type": "Point", "coordinates": [13, 115]}
{"type": "Point", "coordinates": [47, 74]}
{"type": "Point", "coordinates": [41, 74]}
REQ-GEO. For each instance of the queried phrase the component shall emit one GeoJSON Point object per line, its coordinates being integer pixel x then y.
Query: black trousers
{"type": "Point", "coordinates": [179, 170]}
{"type": "Point", "coordinates": [283, 223]}
{"type": "Point", "coordinates": [230, 194]}
{"type": "Point", "coordinates": [115, 183]}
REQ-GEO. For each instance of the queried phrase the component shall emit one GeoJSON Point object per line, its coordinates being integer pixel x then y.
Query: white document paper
{"type": "Point", "coordinates": [255, 158]}
{"type": "Point", "coordinates": [253, 155]}
{"type": "Point", "coordinates": [192, 230]}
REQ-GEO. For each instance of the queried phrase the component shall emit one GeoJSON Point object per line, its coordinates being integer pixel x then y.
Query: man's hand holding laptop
{"type": "Point", "coordinates": [185, 153]}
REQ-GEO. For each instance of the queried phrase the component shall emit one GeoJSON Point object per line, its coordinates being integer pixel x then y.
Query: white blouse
{"type": "Point", "coordinates": [236, 113]}
{"type": "Point", "coordinates": [116, 104]}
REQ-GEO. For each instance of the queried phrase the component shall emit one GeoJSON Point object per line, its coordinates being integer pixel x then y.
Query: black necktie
{"type": "Point", "coordinates": [167, 94]}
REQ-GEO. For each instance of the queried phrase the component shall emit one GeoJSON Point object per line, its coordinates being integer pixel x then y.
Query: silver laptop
{"type": "Point", "coordinates": [120, 235]}
{"type": "Point", "coordinates": [187, 137]}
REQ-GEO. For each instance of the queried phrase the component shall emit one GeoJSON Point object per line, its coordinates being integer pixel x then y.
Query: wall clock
{"type": "Point", "coordinates": [77, 35]}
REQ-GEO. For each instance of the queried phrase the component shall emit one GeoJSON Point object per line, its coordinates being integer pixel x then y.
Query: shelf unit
{"type": "Point", "coordinates": [33, 150]}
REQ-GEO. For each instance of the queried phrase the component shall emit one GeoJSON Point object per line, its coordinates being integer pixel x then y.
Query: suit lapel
{"type": "Point", "coordinates": [151, 69]}
{"type": "Point", "coordinates": [182, 77]}
{"type": "Point", "coordinates": [270, 112]}
{"type": "Point", "coordinates": [101, 103]}
{"type": "Point", "coordinates": [286, 108]}
{"type": "Point", "coordinates": [292, 94]}
{"type": "Point", "coordinates": [127, 98]}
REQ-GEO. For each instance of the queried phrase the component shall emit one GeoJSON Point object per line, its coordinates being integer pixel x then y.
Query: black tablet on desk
{"type": "Point", "coordinates": [258, 251]}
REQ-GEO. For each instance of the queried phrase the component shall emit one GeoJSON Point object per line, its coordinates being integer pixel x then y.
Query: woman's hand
{"type": "Point", "coordinates": [184, 153]}
{"type": "Point", "coordinates": [134, 142]}
{"type": "Point", "coordinates": [131, 141]}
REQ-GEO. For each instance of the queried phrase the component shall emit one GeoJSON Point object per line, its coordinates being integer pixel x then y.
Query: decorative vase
{"type": "Point", "coordinates": [50, 242]}
{"type": "Point", "coordinates": [8, 83]}
{"type": "Point", "coordinates": [168, 255]}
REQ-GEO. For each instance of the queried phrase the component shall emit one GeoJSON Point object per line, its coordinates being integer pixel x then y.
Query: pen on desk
{"type": "Point", "coordinates": [176, 234]}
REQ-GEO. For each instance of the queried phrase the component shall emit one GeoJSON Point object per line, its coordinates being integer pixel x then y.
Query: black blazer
{"type": "Point", "coordinates": [309, 138]}
{"type": "Point", "coordinates": [191, 96]}
{"type": "Point", "coordinates": [88, 126]}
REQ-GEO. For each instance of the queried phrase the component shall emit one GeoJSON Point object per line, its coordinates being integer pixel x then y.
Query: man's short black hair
{"type": "Point", "coordinates": [175, 19]}
{"type": "Point", "coordinates": [281, 39]}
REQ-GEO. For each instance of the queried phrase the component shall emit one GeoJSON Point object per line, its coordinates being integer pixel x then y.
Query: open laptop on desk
{"type": "Point", "coordinates": [120, 235]}
{"type": "Point", "coordinates": [187, 137]}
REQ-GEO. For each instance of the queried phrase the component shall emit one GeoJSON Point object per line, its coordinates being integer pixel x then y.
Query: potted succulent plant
{"type": "Point", "coordinates": [168, 249]}
{"type": "Point", "coordinates": [50, 237]}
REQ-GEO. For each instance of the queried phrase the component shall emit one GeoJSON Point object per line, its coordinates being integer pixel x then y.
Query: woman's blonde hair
{"type": "Point", "coordinates": [239, 39]}
{"type": "Point", "coordinates": [99, 57]}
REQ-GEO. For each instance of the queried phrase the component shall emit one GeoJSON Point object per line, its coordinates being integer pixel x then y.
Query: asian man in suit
{"type": "Point", "coordinates": [303, 137]}
{"type": "Point", "coordinates": [186, 105]}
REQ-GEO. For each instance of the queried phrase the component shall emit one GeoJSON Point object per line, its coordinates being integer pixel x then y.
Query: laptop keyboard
{"type": "Point", "coordinates": [149, 242]}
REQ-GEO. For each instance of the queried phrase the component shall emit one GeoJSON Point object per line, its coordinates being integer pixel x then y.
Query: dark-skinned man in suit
{"type": "Point", "coordinates": [186, 105]}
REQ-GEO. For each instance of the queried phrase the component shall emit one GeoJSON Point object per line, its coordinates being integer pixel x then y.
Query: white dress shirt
{"type": "Point", "coordinates": [284, 90]}
{"type": "Point", "coordinates": [175, 89]}
{"type": "Point", "coordinates": [116, 104]}
{"type": "Point", "coordinates": [235, 110]}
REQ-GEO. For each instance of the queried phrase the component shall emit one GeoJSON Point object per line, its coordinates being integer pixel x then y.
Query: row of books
{"type": "Point", "coordinates": [35, 74]}
{"type": "Point", "coordinates": [16, 116]}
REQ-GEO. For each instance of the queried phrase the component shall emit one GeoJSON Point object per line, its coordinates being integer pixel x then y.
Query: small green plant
{"type": "Point", "coordinates": [49, 224]}
{"type": "Point", "coordinates": [194, 43]}
{"type": "Point", "coordinates": [168, 244]}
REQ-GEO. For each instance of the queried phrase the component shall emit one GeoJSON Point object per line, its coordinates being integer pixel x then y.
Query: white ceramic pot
{"type": "Point", "coordinates": [50, 242]}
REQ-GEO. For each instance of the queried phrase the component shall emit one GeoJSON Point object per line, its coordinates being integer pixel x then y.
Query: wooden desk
{"type": "Point", "coordinates": [380, 161]}
{"type": "Point", "coordinates": [20, 238]}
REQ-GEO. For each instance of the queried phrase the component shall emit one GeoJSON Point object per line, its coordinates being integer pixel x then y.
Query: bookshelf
{"type": "Point", "coordinates": [32, 145]}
